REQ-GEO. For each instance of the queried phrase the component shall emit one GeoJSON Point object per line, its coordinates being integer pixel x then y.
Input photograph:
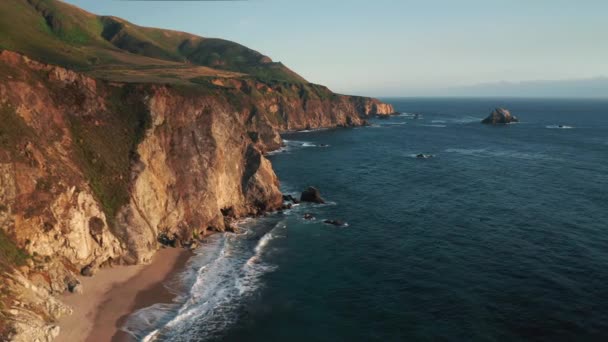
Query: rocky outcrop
{"type": "Point", "coordinates": [312, 195]}
{"type": "Point", "coordinates": [95, 173]}
{"type": "Point", "coordinates": [337, 223]}
{"type": "Point", "coordinates": [276, 107]}
{"type": "Point", "coordinates": [500, 116]}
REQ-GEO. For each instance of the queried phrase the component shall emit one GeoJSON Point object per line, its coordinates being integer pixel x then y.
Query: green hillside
{"type": "Point", "coordinates": [58, 33]}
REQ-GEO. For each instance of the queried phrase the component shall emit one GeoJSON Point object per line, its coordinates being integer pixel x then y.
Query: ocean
{"type": "Point", "coordinates": [501, 235]}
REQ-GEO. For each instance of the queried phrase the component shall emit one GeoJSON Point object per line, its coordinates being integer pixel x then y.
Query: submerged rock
{"type": "Point", "coordinates": [309, 216]}
{"type": "Point", "coordinates": [424, 156]}
{"type": "Point", "coordinates": [500, 116]}
{"type": "Point", "coordinates": [312, 195]}
{"type": "Point", "coordinates": [336, 223]}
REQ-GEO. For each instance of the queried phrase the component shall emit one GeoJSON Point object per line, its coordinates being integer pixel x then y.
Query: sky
{"type": "Point", "coordinates": [400, 47]}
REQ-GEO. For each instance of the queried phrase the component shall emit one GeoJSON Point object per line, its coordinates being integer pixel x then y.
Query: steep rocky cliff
{"type": "Point", "coordinates": [94, 172]}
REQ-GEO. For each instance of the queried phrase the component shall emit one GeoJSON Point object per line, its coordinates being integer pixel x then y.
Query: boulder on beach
{"type": "Point", "coordinates": [500, 116]}
{"type": "Point", "coordinates": [87, 271]}
{"type": "Point", "coordinates": [312, 195]}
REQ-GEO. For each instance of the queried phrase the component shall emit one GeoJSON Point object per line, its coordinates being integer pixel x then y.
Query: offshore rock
{"type": "Point", "coordinates": [312, 195]}
{"type": "Point", "coordinates": [500, 116]}
{"type": "Point", "coordinates": [336, 223]}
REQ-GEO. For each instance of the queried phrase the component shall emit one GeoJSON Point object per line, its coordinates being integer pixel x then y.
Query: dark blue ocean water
{"type": "Point", "coordinates": [501, 236]}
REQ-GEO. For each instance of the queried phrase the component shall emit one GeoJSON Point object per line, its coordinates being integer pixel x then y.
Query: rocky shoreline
{"type": "Point", "coordinates": [101, 173]}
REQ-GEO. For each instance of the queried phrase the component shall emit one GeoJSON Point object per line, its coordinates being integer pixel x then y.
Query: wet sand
{"type": "Point", "coordinates": [112, 294]}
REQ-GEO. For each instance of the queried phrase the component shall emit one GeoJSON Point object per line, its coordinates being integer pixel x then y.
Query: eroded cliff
{"type": "Point", "coordinates": [93, 172]}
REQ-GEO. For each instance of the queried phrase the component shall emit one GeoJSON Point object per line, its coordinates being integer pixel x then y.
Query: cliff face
{"type": "Point", "coordinates": [93, 173]}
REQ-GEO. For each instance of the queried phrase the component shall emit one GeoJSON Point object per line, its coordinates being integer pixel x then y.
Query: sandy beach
{"type": "Point", "coordinates": [112, 294]}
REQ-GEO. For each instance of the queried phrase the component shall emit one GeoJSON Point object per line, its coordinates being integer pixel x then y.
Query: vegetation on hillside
{"type": "Point", "coordinates": [10, 254]}
{"type": "Point", "coordinates": [54, 32]}
{"type": "Point", "coordinates": [106, 146]}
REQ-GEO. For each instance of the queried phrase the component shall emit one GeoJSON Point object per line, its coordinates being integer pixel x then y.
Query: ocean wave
{"type": "Point", "coordinates": [466, 120]}
{"type": "Point", "coordinates": [484, 152]}
{"type": "Point", "coordinates": [434, 125]}
{"type": "Point", "coordinates": [290, 145]}
{"type": "Point", "coordinates": [312, 130]}
{"type": "Point", "coordinates": [393, 123]}
{"type": "Point", "coordinates": [438, 121]}
{"type": "Point", "coordinates": [224, 272]}
{"type": "Point", "coordinates": [559, 127]}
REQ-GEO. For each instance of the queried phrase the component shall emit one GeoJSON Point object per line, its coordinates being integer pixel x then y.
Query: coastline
{"type": "Point", "coordinates": [114, 293]}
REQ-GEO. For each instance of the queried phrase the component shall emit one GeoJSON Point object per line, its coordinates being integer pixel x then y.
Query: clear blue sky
{"type": "Point", "coordinates": [383, 47]}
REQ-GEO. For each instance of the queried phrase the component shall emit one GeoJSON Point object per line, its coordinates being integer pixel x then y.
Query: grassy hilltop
{"type": "Point", "coordinates": [111, 48]}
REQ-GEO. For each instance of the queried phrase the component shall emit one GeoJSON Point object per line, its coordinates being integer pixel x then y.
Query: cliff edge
{"type": "Point", "coordinates": [115, 138]}
{"type": "Point", "coordinates": [94, 172]}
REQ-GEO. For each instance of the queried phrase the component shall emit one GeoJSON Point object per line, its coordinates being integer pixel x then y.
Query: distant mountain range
{"type": "Point", "coordinates": [575, 88]}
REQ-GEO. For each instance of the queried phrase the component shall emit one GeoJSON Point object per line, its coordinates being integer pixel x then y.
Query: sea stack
{"type": "Point", "coordinates": [500, 116]}
{"type": "Point", "coordinates": [311, 194]}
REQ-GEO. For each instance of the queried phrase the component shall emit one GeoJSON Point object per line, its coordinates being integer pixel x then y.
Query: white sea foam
{"type": "Point", "coordinates": [559, 127]}
{"type": "Point", "coordinates": [223, 273]}
{"type": "Point", "coordinates": [435, 125]}
{"type": "Point", "coordinates": [259, 249]}
{"type": "Point", "coordinates": [290, 145]}
{"type": "Point", "coordinates": [312, 130]}
{"type": "Point", "coordinates": [466, 119]}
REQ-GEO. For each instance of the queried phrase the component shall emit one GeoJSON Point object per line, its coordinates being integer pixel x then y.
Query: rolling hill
{"type": "Point", "coordinates": [111, 48]}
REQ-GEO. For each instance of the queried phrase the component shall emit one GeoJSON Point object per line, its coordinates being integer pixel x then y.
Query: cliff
{"type": "Point", "coordinates": [94, 172]}
{"type": "Point", "coordinates": [114, 137]}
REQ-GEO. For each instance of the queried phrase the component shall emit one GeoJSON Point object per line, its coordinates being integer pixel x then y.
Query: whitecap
{"type": "Point", "coordinates": [466, 119]}
{"type": "Point", "coordinates": [559, 127]}
{"type": "Point", "coordinates": [290, 145]}
{"type": "Point", "coordinates": [312, 130]}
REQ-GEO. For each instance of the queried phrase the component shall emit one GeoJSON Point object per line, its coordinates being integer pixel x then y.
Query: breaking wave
{"type": "Point", "coordinates": [291, 145]}
{"type": "Point", "coordinates": [559, 127]}
{"type": "Point", "coordinates": [226, 271]}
